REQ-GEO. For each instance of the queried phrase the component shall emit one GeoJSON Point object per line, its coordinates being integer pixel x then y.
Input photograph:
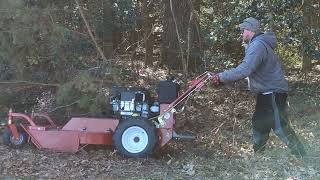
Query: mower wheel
{"type": "Point", "coordinates": [9, 139]}
{"type": "Point", "coordinates": [135, 137]}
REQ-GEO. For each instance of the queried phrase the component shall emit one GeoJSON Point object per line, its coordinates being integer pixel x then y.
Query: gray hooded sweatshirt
{"type": "Point", "coordinates": [261, 65]}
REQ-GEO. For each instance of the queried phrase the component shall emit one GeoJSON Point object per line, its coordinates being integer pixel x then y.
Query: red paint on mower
{"type": "Point", "coordinates": [80, 131]}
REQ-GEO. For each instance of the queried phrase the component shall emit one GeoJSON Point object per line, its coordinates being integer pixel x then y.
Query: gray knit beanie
{"type": "Point", "coordinates": [250, 24]}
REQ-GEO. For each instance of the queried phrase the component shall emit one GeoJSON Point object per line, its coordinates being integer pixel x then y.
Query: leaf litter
{"type": "Point", "coordinates": [221, 118]}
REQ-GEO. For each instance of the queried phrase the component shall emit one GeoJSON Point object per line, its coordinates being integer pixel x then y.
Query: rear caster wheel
{"type": "Point", "coordinates": [11, 141]}
{"type": "Point", "coordinates": [135, 137]}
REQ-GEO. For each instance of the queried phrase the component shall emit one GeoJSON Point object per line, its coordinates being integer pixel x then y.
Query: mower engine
{"type": "Point", "coordinates": [137, 102]}
{"type": "Point", "coordinates": [133, 101]}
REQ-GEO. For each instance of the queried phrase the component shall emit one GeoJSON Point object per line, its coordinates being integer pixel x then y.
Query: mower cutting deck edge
{"type": "Point", "coordinates": [140, 125]}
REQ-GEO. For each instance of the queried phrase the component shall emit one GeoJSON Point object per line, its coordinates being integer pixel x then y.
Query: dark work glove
{"type": "Point", "coordinates": [215, 79]}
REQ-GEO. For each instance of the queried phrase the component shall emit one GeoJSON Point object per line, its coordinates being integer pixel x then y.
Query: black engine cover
{"type": "Point", "coordinates": [168, 91]}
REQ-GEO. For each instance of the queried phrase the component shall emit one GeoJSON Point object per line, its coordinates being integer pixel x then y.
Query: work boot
{"type": "Point", "coordinates": [259, 141]}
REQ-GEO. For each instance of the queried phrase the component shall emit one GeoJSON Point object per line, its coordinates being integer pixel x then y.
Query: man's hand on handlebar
{"type": "Point", "coordinates": [215, 79]}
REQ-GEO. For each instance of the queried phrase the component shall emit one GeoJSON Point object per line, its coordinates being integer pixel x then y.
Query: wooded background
{"type": "Point", "coordinates": [71, 51]}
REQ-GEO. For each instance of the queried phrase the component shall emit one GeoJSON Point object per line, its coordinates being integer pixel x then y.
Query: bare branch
{"type": "Point", "coordinates": [189, 37]}
{"type": "Point", "coordinates": [59, 107]}
{"type": "Point", "coordinates": [30, 83]}
{"type": "Point", "coordinates": [144, 39]}
{"type": "Point", "coordinates": [68, 105]}
{"type": "Point", "coordinates": [90, 31]}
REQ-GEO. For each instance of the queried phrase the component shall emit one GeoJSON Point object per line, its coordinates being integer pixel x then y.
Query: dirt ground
{"type": "Point", "coordinates": [222, 150]}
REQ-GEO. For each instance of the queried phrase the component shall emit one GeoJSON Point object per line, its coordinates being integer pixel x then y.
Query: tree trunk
{"type": "Point", "coordinates": [108, 29]}
{"type": "Point", "coordinates": [195, 56]}
{"type": "Point", "coordinates": [174, 51]}
{"type": "Point", "coordinates": [148, 37]}
{"type": "Point", "coordinates": [170, 52]}
{"type": "Point", "coordinates": [310, 22]}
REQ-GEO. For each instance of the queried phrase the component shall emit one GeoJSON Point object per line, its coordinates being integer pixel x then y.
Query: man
{"type": "Point", "coordinates": [266, 79]}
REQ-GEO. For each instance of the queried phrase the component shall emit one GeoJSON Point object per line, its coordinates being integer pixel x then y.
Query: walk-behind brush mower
{"type": "Point", "coordinates": [139, 126]}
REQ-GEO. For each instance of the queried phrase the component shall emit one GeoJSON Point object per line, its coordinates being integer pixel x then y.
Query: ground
{"type": "Point", "coordinates": [222, 150]}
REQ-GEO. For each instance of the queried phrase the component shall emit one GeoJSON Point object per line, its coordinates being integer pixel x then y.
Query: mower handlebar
{"type": "Point", "coordinates": [195, 84]}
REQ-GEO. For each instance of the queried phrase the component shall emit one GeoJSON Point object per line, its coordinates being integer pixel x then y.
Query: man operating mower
{"type": "Point", "coordinates": [266, 80]}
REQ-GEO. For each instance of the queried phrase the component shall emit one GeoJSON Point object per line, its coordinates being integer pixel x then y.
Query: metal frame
{"type": "Point", "coordinates": [78, 131]}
